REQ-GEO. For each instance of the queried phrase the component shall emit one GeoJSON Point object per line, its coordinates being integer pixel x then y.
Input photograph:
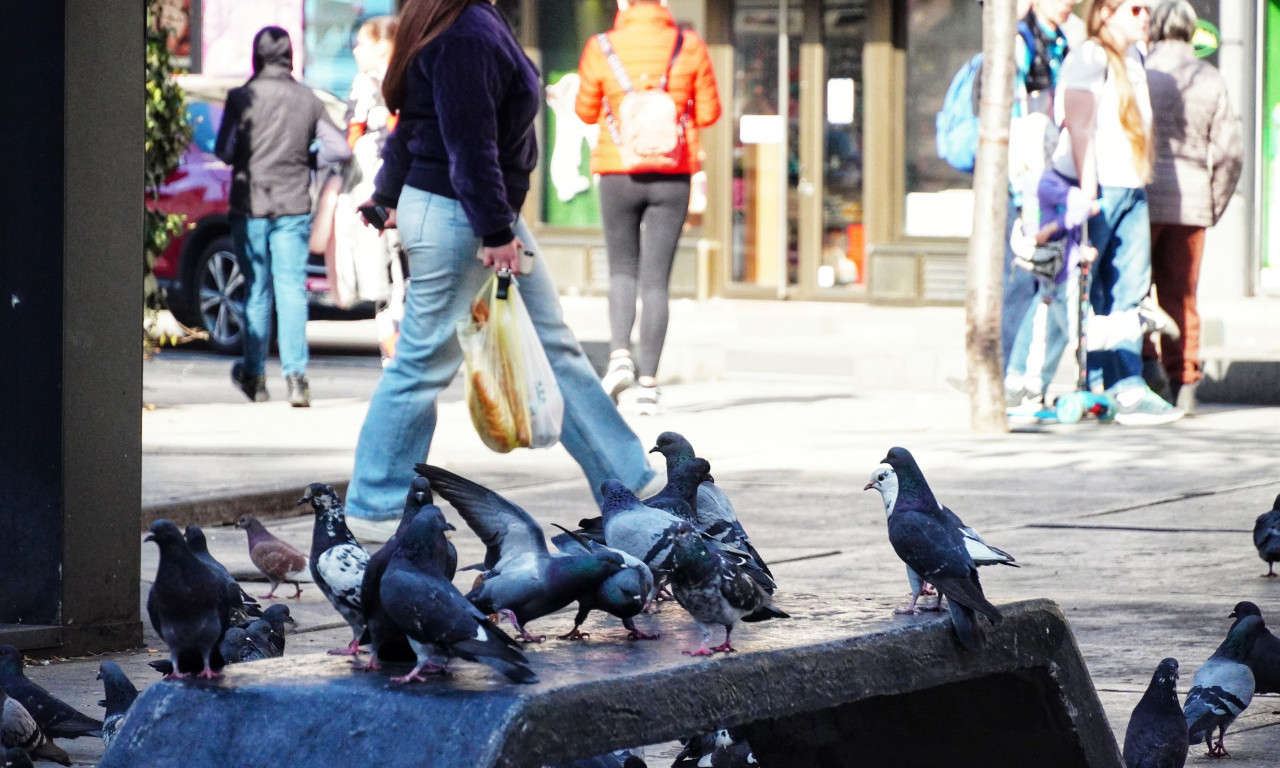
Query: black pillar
{"type": "Point", "coordinates": [70, 324]}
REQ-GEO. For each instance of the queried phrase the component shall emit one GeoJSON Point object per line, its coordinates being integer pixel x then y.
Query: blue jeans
{"type": "Point", "coordinates": [1121, 278]}
{"type": "Point", "coordinates": [444, 276]}
{"type": "Point", "coordinates": [1019, 292]}
{"type": "Point", "coordinates": [272, 253]}
{"type": "Point", "coordinates": [1056, 335]}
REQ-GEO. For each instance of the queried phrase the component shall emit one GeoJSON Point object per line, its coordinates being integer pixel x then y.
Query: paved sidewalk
{"type": "Point", "coordinates": [1142, 535]}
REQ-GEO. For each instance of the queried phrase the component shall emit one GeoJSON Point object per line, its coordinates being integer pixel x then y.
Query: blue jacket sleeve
{"type": "Point", "coordinates": [395, 167]}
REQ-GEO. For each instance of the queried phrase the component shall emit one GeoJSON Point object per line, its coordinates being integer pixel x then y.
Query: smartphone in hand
{"type": "Point", "coordinates": [375, 214]}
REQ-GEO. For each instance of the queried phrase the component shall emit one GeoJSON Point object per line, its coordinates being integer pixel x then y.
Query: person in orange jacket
{"type": "Point", "coordinates": [641, 184]}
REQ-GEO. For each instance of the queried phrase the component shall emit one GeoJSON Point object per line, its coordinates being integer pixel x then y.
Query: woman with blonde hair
{"type": "Point", "coordinates": [1105, 148]}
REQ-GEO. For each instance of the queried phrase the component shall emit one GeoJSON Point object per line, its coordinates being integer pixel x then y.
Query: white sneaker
{"type": "Point", "coordinates": [620, 375]}
{"type": "Point", "coordinates": [1139, 406]}
{"type": "Point", "coordinates": [372, 531]}
{"type": "Point", "coordinates": [647, 401]}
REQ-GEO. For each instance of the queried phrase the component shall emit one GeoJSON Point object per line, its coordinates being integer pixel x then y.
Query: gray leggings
{"type": "Point", "coordinates": [641, 264]}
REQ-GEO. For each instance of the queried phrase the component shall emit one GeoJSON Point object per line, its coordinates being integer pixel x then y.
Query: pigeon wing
{"type": "Point", "coordinates": [341, 568]}
{"type": "Point", "coordinates": [504, 527]}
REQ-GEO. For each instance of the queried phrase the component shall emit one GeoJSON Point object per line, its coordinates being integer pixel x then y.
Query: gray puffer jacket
{"type": "Point", "coordinates": [267, 129]}
{"type": "Point", "coordinates": [1198, 151]}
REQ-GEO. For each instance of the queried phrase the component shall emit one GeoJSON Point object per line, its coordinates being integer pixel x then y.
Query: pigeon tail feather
{"type": "Point", "coordinates": [967, 593]}
{"type": "Point", "coordinates": [965, 622]}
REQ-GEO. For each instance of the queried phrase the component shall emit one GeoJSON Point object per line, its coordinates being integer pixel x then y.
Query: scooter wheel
{"type": "Point", "coordinates": [1070, 408]}
{"type": "Point", "coordinates": [1107, 407]}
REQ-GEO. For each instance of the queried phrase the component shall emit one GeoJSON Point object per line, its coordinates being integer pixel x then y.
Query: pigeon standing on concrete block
{"type": "Point", "coordinates": [1157, 732]}
{"type": "Point", "coordinates": [120, 693]}
{"type": "Point", "coordinates": [186, 605]}
{"type": "Point", "coordinates": [1266, 537]}
{"type": "Point", "coordinates": [278, 560]}
{"type": "Point", "coordinates": [1222, 687]}
{"type": "Point", "coordinates": [932, 546]}
{"type": "Point", "coordinates": [624, 594]}
{"type": "Point", "coordinates": [522, 579]}
{"type": "Point", "coordinates": [885, 480]}
{"type": "Point", "coordinates": [1264, 655]}
{"type": "Point", "coordinates": [56, 718]}
{"type": "Point", "coordinates": [385, 639]}
{"type": "Point", "coordinates": [18, 729]}
{"type": "Point", "coordinates": [714, 590]}
{"type": "Point", "coordinates": [438, 620]}
{"type": "Point", "coordinates": [715, 514]}
{"type": "Point", "coordinates": [640, 531]}
{"type": "Point", "coordinates": [337, 561]}
{"type": "Point", "coordinates": [243, 606]}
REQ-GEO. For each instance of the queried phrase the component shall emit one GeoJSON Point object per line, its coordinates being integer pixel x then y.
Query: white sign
{"type": "Point", "coordinates": [760, 129]}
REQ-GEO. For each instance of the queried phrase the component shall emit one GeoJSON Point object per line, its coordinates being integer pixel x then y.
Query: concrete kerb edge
{"type": "Point", "coordinates": [225, 510]}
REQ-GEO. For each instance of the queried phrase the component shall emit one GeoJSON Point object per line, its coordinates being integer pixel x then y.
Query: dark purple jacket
{"type": "Point", "coordinates": [466, 124]}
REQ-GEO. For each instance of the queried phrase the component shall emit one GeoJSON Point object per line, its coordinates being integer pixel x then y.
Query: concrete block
{"type": "Point", "coordinates": [842, 683]}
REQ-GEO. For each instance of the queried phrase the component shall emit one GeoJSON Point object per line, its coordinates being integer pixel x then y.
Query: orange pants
{"type": "Point", "coordinates": [1176, 250]}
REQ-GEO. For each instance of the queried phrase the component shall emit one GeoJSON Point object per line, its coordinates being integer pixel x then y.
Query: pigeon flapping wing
{"type": "Point", "coordinates": [506, 529]}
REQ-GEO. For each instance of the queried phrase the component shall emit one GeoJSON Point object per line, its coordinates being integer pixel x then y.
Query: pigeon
{"type": "Point", "coordinates": [680, 495]}
{"type": "Point", "coordinates": [724, 748]}
{"type": "Point", "coordinates": [522, 579]}
{"type": "Point", "coordinates": [243, 606]}
{"type": "Point", "coordinates": [385, 640]}
{"type": "Point", "coordinates": [1264, 655]}
{"type": "Point", "coordinates": [1222, 687]}
{"type": "Point", "coordinates": [1157, 732]}
{"type": "Point", "coordinates": [624, 594]}
{"type": "Point", "coordinates": [885, 480]}
{"type": "Point", "coordinates": [120, 694]}
{"type": "Point", "coordinates": [16, 758]}
{"type": "Point", "coordinates": [716, 517]}
{"type": "Point", "coordinates": [931, 545]}
{"type": "Point", "coordinates": [18, 729]}
{"type": "Point", "coordinates": [277, 559]}
{"type": "Point", "coordinates": [274, 618]}
{"type": "Point", "coordinates": [187, 605]}
{"type": "Point", "coordinates": [438, 620]}
{"type": "Point", "coordinates": [55, 717]}
{"type": "Point", "coordinates": [1266, 537]}
{"type": "Point", "coordinates": [713, 589]}
{"type": "Point", "coordinates": [639, 530]}
{"type": "Point", "coordinates": [337, 561]}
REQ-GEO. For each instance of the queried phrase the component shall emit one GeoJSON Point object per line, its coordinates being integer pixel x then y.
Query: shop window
{"type": "Point", "coordinates": [942, 36]}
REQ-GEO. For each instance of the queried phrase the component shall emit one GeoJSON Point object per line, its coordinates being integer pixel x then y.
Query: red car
{"type": "Point", "coordinates": [198, 271]}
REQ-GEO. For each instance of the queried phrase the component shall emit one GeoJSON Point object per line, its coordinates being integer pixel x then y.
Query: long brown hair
{"type": "Point", "coordinates": [420, 22]}
{"type": "Point", "coordinates": [1130, 115]}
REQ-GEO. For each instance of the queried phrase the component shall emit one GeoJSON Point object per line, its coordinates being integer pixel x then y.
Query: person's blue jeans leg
{"type": "Point", "coordinates": [1057, 332]}
{"type": "Point", "coordinates": [287, 241]}
{"type": "Point", "coordinates": [1019, 292]}
{"type": "Point", "coordinates": [253, 253]}
{"type": "Point", "coordinates": [444, 276]}
{"type": "Point", "coordinates": [1121, 278]}
{"type": "Point", "coordinates": [593, 432]}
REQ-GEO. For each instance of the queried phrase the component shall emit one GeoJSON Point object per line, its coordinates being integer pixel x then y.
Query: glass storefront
{"type": "Point", "coordinates": [843, 257]}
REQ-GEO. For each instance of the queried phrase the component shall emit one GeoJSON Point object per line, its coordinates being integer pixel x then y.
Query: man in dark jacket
{"type": "Point", "coordinates": [266, 135]}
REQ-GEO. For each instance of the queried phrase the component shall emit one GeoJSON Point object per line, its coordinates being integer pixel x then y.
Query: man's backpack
{"type": "Point", "coordinates": [649, 127]}
{"type": "Point", "coordinates": [957, 123]}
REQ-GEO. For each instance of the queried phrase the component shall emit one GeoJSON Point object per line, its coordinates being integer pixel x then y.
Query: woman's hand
{"type": "Point", "coordinates": [390, 223]}
{"type": "Point", "coordinates": [503, 256]}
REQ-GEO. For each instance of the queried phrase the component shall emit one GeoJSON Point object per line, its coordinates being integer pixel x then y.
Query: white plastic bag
{"type": "Point", "coordinates": [511, 391]}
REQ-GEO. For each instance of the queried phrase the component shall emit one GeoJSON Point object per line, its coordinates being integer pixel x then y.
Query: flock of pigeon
{"type": "Point", "coordinates": [685, 542]}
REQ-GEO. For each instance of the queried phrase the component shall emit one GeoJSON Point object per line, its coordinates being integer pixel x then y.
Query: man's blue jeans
{"type": "Point", "coordinates": [272, 253]}
{"type": "Point", "coordinates": [444, 276]}
{"type": "Point", "coordinates": [1121, 278]}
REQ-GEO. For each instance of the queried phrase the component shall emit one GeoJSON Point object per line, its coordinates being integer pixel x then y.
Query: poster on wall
{"type": "Point", "coordinates": [175, 16]}
{"type": "Point", "coordinates": [228, 27]}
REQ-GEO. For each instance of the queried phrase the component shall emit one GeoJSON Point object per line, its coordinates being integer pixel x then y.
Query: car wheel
{"type": "Point", "coordinates": [218, 294]}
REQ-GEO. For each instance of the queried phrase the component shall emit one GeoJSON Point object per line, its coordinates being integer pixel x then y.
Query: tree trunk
{"type": "Point", "coordinates": [990, 205]}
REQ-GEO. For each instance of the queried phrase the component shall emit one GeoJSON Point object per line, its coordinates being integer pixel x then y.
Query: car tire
{"type": "Point", "coordinates": [217, 294]}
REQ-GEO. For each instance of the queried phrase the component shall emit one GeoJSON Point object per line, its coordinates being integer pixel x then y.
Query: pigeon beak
{"type": "Point", "coordinates": [868, 486]}
{"type": "Point", "coordinates": [710, 479]}
{"type": "Point", "coordinates": [654, 449]}
{"type": "Point", "coordinates": [149, 538]}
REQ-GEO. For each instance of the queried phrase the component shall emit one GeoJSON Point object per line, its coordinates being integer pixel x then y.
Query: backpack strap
{"type": "Point", "coordinates": [624, 80]}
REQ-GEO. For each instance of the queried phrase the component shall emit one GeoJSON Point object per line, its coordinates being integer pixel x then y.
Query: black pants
{"type": "Point", "coordinates": [642, 215]}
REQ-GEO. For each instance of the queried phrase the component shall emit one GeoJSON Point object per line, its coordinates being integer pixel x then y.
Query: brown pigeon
{"type": "Point", "coordinates": [277, 559]}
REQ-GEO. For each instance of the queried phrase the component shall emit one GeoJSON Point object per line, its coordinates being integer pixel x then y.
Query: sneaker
{"type": "Point", "coordinates": [620, 375]}
{"type": "Point", "coordinates": [1139, 406]}
{"type": "Point", "coordinates": [299, 390]}
{"type": "Point", "coordinates": [1185, 399]}
{"type": "Point", "coordinates": [372, 531]}
{"type": "Point", "coordinates": [253, 387]}
{"type": "Point", "coordinates": [647, 401]}
{"type": "Point", "coordinates": [1156, 320]}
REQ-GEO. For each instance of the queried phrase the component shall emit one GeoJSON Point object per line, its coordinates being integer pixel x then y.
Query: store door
{"type": "Point", "coordinates": [797, 181]}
